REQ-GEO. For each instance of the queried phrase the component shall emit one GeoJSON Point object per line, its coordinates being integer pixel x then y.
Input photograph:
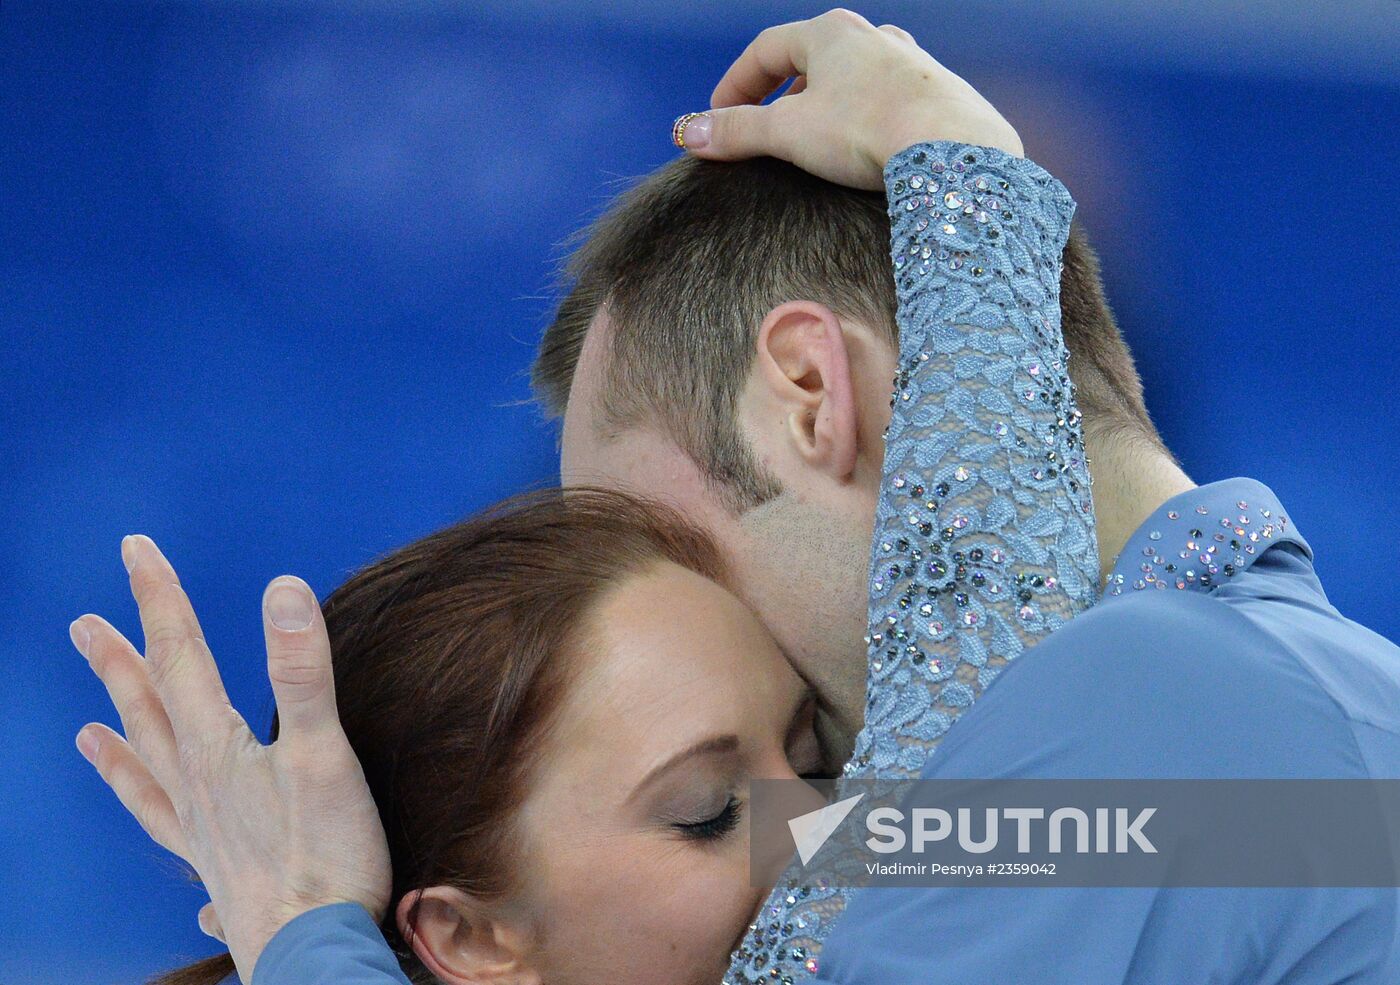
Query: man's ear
{"type": "Point", "coordinates": [803, 370]}
{"type": "Point", "coordinates": [464, 941]}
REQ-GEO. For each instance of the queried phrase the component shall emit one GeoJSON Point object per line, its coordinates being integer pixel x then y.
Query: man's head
{"type": "Point", "coordinates": [727, 342]}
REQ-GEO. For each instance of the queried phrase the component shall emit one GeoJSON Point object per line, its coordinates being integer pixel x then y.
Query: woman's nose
{"type": "Point", "coordinates": [774, 802]}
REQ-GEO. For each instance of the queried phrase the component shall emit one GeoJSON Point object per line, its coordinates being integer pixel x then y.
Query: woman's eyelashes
{"type": "Point", "coordinates": [714, 827]}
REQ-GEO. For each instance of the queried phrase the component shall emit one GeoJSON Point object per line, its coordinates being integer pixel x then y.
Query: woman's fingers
{"type": "Point", "coordinates": [178, 660]}
{"type": "Point", "coordinates": [299, 664]}
{"type": "Point", "coordinates": [122, 770]}
{"type": "Point", "coordinates": [122, 671]}
{"type": "Point", "coordinates": [777, 54]}
{"type": "Point", "coordinates": [780, 52]}
{"type": "Point", "coordinates": [860, 94]}
{"type": "Point", "coordinates": [743, 131]}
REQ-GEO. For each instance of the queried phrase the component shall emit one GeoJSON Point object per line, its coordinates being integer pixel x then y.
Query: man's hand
{"type": "Point", "coordinates": [274, 830]}
{"type": "Point", "coordinates": [861, 94]}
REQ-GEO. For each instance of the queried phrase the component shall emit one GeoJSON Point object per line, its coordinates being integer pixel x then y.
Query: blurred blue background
{"type": "Point", "coordinates": [271, 274]}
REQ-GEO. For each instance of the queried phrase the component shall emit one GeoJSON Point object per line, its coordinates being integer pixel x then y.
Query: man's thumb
{"type": "Point", "coordinates": [298, 659]}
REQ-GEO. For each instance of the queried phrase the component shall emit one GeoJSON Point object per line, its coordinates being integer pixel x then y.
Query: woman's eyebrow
{"type": "Point", "coordinates": [710, 746]}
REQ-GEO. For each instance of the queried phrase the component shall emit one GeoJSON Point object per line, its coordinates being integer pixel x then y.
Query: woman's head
{"type": "Point", "coordinates": [558, 708]}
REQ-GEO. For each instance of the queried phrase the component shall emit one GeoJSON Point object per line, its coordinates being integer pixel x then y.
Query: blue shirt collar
{"type": "Point", "coordinates": [1202, 538]}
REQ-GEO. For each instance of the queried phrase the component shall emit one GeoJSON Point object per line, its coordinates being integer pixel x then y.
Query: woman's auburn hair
{"type": "Point", "coordinates": [450, 655]}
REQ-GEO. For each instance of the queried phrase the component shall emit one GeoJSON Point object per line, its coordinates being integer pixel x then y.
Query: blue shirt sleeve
{"type": "Point", "coordinates": [336, 944]}
{"type": "Point", "coordinates": [1162, 685]}
{"type": "Point", "coordinates": [983, 538]}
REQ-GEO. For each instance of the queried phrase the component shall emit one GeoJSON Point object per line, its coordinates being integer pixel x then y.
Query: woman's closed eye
{"type": "Point", "coordinates": [714, 827]}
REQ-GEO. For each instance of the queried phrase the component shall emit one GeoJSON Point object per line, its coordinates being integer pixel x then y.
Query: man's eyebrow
{"type": "Point", "coordinates": [711, 746]}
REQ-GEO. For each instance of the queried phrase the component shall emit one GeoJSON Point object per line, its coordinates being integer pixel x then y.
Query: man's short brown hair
{"type": "Point", "coordinates": [690, 259]}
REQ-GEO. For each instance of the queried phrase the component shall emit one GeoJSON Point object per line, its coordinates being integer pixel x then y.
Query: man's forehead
{"type": "Point", "coordinates": [593, 451]}
{"type": "Point", "coordinates": [583, 444]}
{"type": "Point", "coordinates": [590, 372]}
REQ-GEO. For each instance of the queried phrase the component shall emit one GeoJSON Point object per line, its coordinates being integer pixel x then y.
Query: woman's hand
{"type": "Point", "coordinates": [861, 94]}
{"type": "Point", "coordinates": [274, 830]}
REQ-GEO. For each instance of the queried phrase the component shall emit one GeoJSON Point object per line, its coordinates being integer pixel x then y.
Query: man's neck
{"type": "Point", "coordinates": [1132, 477]}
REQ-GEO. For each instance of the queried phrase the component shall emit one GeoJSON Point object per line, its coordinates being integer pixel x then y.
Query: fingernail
{"type": "Point", "coordinates": [289, 605]}
{"type": "Point", "coordinates": [87, 744]}
{"type": "Point", "coordinates": [128, 555]}
{"type": "Point", "coordinates": [691, 131]}
{"type": "Point", "coordinates": [78, 632]}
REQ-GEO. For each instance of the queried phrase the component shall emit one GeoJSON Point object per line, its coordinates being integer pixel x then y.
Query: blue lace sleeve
{"type": "Point", "coordinates": [984, 539]}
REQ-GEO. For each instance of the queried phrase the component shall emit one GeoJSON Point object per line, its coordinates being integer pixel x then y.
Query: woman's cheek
{"type": "Point", "coordinates": [710, 906]}
{"type": "Point", "coordinates": [662, 911]}
{"type": "Point", "coordinates": [673, 925]}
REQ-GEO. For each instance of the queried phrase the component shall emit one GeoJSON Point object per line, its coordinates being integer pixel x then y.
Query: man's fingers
{"type": "Point", "coordinates": [209, 923]}
{"type": "Point", "coordinates": [777, 54]}
{"type": "Point", "coordinates": [299, 662]}
{"type": "Point", "coordinates": [122, 770]}
{"type": "Point", "coordinates": [122, 671]}
{"type": "Point", "coordinates": [178, 660]}
{"type": "Point", "coordinates": [900, 33]}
